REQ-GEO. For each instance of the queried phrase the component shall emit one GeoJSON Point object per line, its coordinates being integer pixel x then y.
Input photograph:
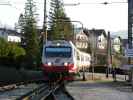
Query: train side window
{"type": "Point", "coordinates": [86, 59]}
{"type": "Point", "coordinates": [89, 58]}
{"type": "Point", "coordinates": [75, 53]}
{"type": "Point", "coordinates": [82, 58]}
{"type": "Point", "coordinates": [78, 58]}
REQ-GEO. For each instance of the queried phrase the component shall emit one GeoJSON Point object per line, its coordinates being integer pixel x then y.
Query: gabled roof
{"type": "Point", "coordinates": [96, 32]}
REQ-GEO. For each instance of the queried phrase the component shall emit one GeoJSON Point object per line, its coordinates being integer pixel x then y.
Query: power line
{"type": "Point", "coordinates": [5, 3]}
{"type": "Point", "coordinates": [71, 4]}
{"type": "Point", "coordinates": [86, 3]}
{"type": "Point", "coordinates": [23, 2]}
{"type": "Point", "coordinates": [105, 3]}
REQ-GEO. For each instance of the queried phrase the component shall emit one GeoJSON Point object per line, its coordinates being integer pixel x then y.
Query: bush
{"type": "Point", "coordinates": [11, 54]}
{"type": "Point", "coordinates": [15, 51]}
{"type": "Point", "coordinates": [4, 51]}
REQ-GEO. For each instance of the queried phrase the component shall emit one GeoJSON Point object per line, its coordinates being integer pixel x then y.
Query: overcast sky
{"type": "Point", "coordinates": [112, 17]}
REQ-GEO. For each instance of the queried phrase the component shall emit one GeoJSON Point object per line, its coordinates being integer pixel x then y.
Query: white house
{"type": "Point", "coordinates": [10, 35]}
{"type": "Point", "coordinates": [81, 40]}
{"type": "Point", "coordinates": [12, 38]}
{"type": "Point", "coordinates": [101, 42]}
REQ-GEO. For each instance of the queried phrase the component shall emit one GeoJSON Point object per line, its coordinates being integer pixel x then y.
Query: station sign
{"type": "Point", "coordinates": [129, 52]}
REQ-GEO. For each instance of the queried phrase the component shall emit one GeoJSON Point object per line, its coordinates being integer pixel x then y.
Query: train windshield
{"type": "Point", "coordinates": [58, 52]}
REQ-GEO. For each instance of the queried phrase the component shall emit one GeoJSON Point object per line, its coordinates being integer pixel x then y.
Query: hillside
{"type": "Point", "coordinates": [123, 34]}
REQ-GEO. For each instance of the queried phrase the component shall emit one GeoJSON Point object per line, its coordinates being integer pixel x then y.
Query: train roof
{"type": "Point", "coordinates": [57, 43]}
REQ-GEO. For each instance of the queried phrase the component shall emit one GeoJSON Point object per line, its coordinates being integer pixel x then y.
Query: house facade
{"type": "Point", "coordinates": [81, 40]}
{"type": "Point", "coordinates": [10, 35]}
{"type": "Point", "coordinates": [116, 43]}
{"type": "Point", "coordinates": [3, 33]}
{"type": "Point", "coordinates": [98, 45]}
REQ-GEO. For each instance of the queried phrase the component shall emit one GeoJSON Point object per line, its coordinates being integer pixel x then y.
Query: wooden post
{"type": "Point", "coordinates": [92, 65]}
{"type": "Point", "coordinates": [84, 78]}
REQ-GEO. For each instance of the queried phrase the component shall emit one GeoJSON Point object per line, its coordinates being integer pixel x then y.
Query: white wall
{"type": "Point", "coordinates": [14, 39]}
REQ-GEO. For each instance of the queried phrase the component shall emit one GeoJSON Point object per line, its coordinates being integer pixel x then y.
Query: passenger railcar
{"type": "Point", "coordinates": [61, 59]}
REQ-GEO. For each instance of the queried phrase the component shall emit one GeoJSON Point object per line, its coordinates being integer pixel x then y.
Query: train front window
{"type": "Point", "coordinates": [58, 52]}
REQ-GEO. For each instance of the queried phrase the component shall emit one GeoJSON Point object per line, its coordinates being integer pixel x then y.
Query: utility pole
{"type": "Point", "coordinates": [130, 30]}
{"type": "Point", "coordinates": [130, 22]}
{"type": "Point", "coordinates": [93, 49]}
{"type": "Point", "coordinates": [44, 22]}
{"type": "Point", "coordinates": [109, 60]}
{"type": "Point", "coordinates": [93, 61]}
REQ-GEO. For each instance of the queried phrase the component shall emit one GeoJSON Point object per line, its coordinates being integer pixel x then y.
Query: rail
{"type": "Point", "coordinates": [61, 87]}
{"type": "Point", "coordinates": [33, 95]}
{"type": "Point", "coordinates": [10, 86]}
{"type": "Point", "coordinates": [45, 92]}
{"type": "Point", "coordinates": [54, 86]}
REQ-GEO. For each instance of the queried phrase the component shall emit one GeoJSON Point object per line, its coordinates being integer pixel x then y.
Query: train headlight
{"type": "Point", "coordinates": [65, 64]}
{"type": "Point", "coordinates": [49, 63]}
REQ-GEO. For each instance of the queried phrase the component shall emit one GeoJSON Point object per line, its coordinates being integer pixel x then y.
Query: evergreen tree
{"type": "Point", "coordinates": [60, 25]}
{"type": "Point", "coordinates": [21, 23]}
{"type": "Point", "coordinates": [30, 34]}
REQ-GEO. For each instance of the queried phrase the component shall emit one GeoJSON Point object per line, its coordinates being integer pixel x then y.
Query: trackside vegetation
{"type": "Point", "coordinates": [11, 54]}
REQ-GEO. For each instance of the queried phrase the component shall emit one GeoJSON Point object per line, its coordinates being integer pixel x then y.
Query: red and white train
{"type": "Point", "coordinates": [61, 59]}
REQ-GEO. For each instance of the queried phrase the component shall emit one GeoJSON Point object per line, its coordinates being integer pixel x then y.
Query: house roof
{"type": "Point", "coordinates": [10, 32]}
{"type": "Point", "coordinates": [96, 32]}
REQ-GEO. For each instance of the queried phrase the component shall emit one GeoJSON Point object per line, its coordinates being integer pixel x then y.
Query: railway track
{"type": "Point", "coordinates": [10, 86]}
{"type": "Point", "coordinates": [58, 92]}
{"type": "Point", "coordinates": [13, 90]}
{"type": "Point", "coordinates": [44, 91]}
{"type": "Point", "coordinates": [48, 91]}
{"type": "Point", "coordinates": [7, 87]}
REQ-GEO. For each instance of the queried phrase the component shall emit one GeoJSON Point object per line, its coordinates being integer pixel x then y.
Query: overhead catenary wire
{"type": "Point", "coordinates": [5, 3]}
{"type": "Point", "coordinates": [86, 3]}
